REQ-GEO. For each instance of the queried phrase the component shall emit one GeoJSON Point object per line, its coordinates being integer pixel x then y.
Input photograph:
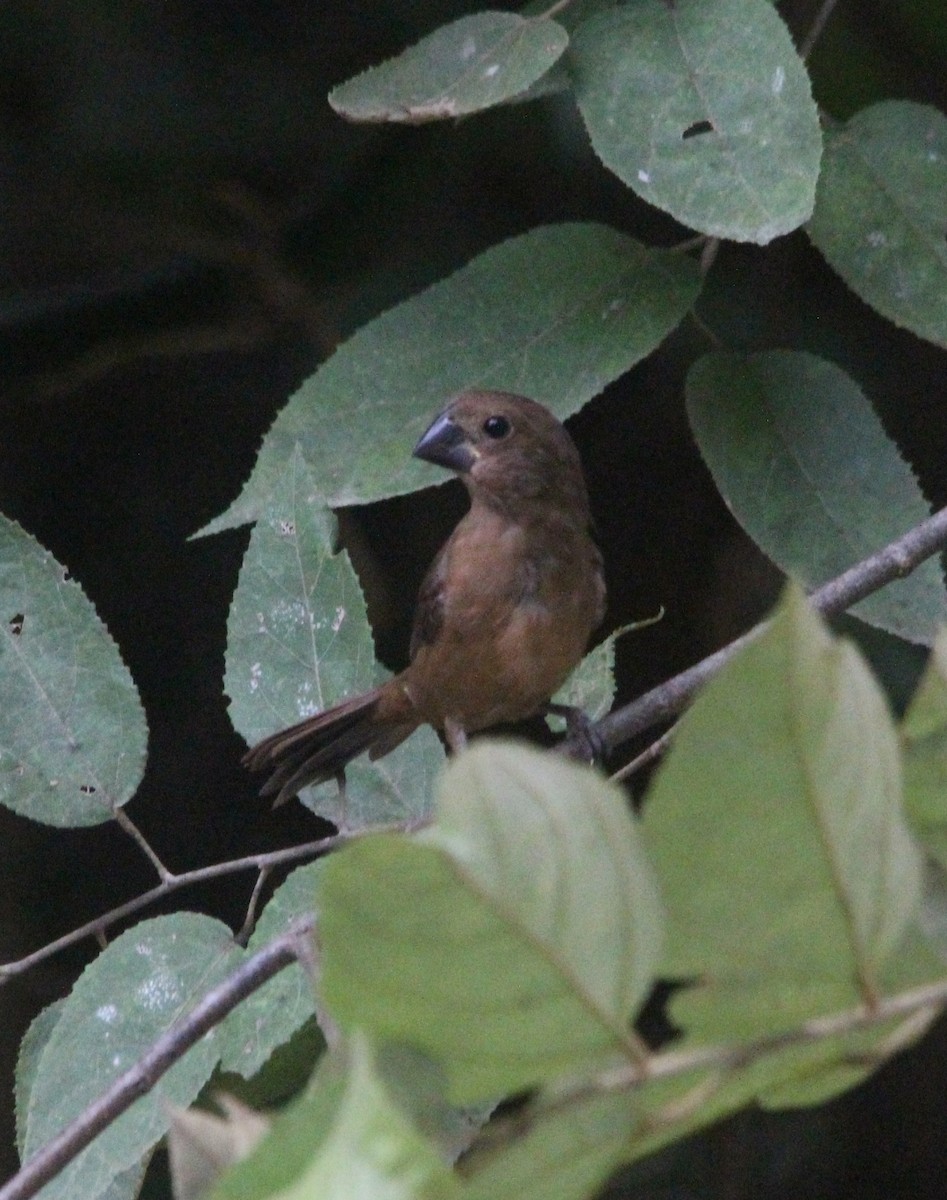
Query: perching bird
{"type": "Point", "coordinates": [504, 613]}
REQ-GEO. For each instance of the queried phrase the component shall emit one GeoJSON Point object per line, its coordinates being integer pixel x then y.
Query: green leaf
{"type": "Point", "coordinates": [137, 989]}
{"type": "Point", "coordinates": [703, 109]}
{"type": "Point", "coordinates": [31, 1049]}
{"type": "Point", "coordinates": [591, 686]}
{"type": "Point", "coordinates": [555, 314]}
{"type": "Point", "coordinates": [924, 740]}
{"type": "Point", "coordinates": [567, 1154]}
{"type": "Point", "coordinates": [777, 832]}
{"type": "Point", "coordinates": [348, 1140]}
{"type": "Point", "coordinates": [811, 1073]}
{"type": "Point", "coordinates": [471, 64]}
{"type": "Point", "coordinates": [270, 1017]}
{"type": "Point", "coordinates": [566, 1150]}
{"type": "Point", "coordinates": [805, 466]}
{"type": "Point", "coordinates": [298, 638]}
{"type": "Point", "coordinates": [518, 934]}
{"type": "Point", "coordinates": [299, 641]}
{"type": "Point", "coordinates": [399, 788]}
{"type": "Point", "coordinates": [72, 730]}
{"type": "Point", "coordinates": [881, 212]}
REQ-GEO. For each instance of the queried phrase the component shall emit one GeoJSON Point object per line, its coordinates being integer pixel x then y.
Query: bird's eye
{"type": "Point", "coordinates": [496, 427]}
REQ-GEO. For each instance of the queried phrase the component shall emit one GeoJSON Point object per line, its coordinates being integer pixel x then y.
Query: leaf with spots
{"type": "Point", "coordinates": [298, 634]}
{"type": "Point", "coordinates": [704, 110]}
{"type": "Point", "coordinates": [471, 64]}
{"type": "Point", "coordinates": [881, 212]}
{"type": "Point", "coordinates": [299, 641]}
{"type": "Point", "coordinates": [72, 730]}
{"type": "Point", "coordinates": [134, 992]}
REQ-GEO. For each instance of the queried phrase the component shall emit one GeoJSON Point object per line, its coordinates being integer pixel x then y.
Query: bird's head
{"type": "Point", "coordinates": [506, 449]}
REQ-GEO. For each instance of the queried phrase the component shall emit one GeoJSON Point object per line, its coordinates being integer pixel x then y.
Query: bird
{"type": "Point", "coordinates": [504, 613]}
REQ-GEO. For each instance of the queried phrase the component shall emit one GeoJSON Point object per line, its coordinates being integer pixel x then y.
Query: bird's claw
{"type": "Point", "coordinates": [583, 741]}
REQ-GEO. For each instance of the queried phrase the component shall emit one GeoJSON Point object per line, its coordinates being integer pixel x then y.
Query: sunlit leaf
{"type": "Point", "coordinates": [519, 932]}
{"type": "Point", "coordinates": [777, 831]}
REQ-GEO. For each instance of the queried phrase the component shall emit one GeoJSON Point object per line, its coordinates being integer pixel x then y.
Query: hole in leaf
{"type": "Point", "coordinates": [697, 129]}
{"type": "Point", "coordinates": [16, 624]}
{"type": "Point", "coordinates": [65, 574]}
{"type": "Point", "coordinates": [87, 789]}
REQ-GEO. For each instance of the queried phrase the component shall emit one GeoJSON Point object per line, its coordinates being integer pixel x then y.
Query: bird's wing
{"type": "Point", "coordinates": [429, 611]}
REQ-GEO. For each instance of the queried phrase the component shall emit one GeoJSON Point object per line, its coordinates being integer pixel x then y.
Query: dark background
{"type": "Point", "coordinates": [187, 232]}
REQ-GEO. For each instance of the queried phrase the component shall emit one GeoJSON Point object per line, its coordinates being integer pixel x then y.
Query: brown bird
{"type": "Point", "coordinates": [504, 613]}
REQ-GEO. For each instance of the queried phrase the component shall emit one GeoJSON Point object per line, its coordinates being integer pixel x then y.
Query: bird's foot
{"type": "Point", "coordinates": [587, 742]}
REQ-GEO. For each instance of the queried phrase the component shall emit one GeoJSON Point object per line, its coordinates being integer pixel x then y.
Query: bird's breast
{"type": "Point", "coordinates": [519, 605]}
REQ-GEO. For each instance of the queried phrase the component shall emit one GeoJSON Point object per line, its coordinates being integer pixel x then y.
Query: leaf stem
{"type": "Point", "coordinates": [816, 28]}
{"type": "Point", "coordinates": [172, 883]}
{"type": "Point", "coordinates": [919, 1005]}
{"type": "Point", "coordinates": [125, 823]}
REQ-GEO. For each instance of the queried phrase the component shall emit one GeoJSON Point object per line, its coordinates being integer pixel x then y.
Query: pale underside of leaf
{"type": "Point", "coordinates": [481, 60]}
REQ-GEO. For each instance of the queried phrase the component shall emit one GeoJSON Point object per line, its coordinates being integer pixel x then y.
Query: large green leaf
{"type": "Point", "coordinates": [471, 64]}
{"type": "Point", "coordinates": [777, 831]}
{"type": "Point", "coordinates": [555, 314]}
{"type": "Point", "coordinates": [881, 212]}
{"type": "Point", "coordinates": [136, 990]}
{"type": "Point", "coordinates": [299, 641]}
{"type": "Point", "coordinates": [807, 469]}
{"type": "Point", "coordinates": [513, 940]}
{"type": "Point", "coordinates": [703, 108]}
{"type": "Point", "coordinates": [72, 730]}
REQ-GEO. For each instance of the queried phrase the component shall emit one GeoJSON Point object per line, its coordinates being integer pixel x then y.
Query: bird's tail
{"type": "Point", "coordinates": [320, 747]}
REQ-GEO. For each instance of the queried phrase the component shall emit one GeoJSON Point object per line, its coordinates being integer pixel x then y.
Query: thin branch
{"type": "Point", "coordinates": [815, 29]}
{"type": "Point", "coordinates": [125, 823]}
{"type": "Point", "coordinates": [648, 755]}
{"type": "Point", "coordinates": [708, 256]}
{"type": "Point", "coordinates": [255, 862]}
{"type": "Point", "coordinates": [920, 1006]}
{"type": "Point", "coordinates": [896, 560]}
{"type": "Point", "coordinates": [250, 919]}
{"type": "Point", "coordinates": [555, 9]}
{"type": "Point", "coordinates": [166, 1051]}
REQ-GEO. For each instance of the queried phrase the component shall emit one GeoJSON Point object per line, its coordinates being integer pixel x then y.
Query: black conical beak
{"type": "Point", "coordinates": [446, 445]}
